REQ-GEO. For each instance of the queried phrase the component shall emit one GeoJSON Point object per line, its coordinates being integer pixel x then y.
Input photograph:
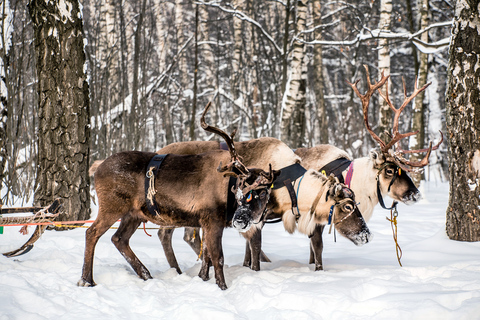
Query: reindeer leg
{"type": "Point", "coordinates": [213, 239]}
{"type": "Point", "coordinates": [165, 236]}
{"type": "Point", "coordinates": [316, 247]}
{"type": "Point", "coordinates": [96, 230]}
{"type": "Point", "coordinates": [247, 260]}
{"type": "Point", "coordinates": [121, 240]}
{"type": "Point", "coordinates": [204, 272]}
{"type": "Point", "coordinates": [192, 237]}
{"type": "Point", "coordinates": [255, 244]}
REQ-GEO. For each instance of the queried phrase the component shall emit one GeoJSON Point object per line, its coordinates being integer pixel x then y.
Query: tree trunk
{"type": "Point", "coordinates": [319, 85]}
{"type": "Point", "coordinates": [463, 123]}
{"type": "Point", "coordinates": [385, 120]}
{"type": "Point", "coordinates": [4, 91]}
{"type": "Point", "coordinates": [64, 115]}
{"type": "Point", "coordinates": [419, 108]}
{"type": "Point", "coordinates": [134, 118]}
{"type": "Point", "coordinates": [294, 97]}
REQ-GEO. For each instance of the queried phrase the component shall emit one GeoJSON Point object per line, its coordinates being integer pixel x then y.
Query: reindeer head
{"type": "Point", "coordinates": [253, 186]}
{"type": "Point", "coordinates": [389, 159]}
{"type": "Point", "coordinates": [344, 213]}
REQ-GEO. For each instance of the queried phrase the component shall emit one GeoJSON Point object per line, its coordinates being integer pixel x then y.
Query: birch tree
{"type": "Point", "coordinates": [63, 108]}
{"type": "Point", "coordinates": [419, 109]}
{"type": "Point", "coordinates": [463, 123]}
{"type": "Point", "coordinates": [5, 41]}
{"type": "Point", "coordinates": [293, 103]}
{"type": "Point", "coordinates": [385, 120]}
{"type": "Point", "coordinates": [319, 86]}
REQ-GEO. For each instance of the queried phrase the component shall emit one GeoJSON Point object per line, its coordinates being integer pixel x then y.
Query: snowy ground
{"type": "Point", "coordinates": [440, 278]}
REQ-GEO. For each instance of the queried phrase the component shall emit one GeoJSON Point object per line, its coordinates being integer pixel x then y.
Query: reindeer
{"type": "Point", "coordinates": [258, 152]}
{"type": "Point", "coordinates": [185, 191]}
{"type": "Point", "coordinates": [375, 176]}
{"type": "Point", "coordinates": [383, 173]}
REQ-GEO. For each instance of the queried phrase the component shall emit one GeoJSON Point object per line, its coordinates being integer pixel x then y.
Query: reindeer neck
{"type": "Point", "coordinates": [364, 185]}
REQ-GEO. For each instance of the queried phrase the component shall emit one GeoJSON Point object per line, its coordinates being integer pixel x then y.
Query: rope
{"type": "Point", "coordinates": [69, 225]}
{"type": "Point", "coordinates": [393, 222]}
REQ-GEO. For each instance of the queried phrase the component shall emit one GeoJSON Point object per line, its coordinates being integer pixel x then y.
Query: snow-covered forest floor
{"type": "Point", "coordinates": [440, 278]}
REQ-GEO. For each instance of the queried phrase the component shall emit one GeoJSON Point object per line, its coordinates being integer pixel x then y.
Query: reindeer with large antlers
{"type": "Point", "coordinates": [182, 191]}
{"type": "Point", "coordinates": [382, 173]}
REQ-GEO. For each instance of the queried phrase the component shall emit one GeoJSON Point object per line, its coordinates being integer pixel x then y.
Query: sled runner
{"type": "Point", "coordinates": [37, 215]}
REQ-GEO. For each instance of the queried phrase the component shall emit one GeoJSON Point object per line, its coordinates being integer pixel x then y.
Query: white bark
{"type": "Point", "coordinates": [294, 95]}
{"type": "Point", "coordinates": [385, 118]}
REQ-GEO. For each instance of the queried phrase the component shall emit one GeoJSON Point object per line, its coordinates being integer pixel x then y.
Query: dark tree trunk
{"type": "Point", "coordinates": [463, 124]}
{"type": "Point", "coordinates": [64, 129]}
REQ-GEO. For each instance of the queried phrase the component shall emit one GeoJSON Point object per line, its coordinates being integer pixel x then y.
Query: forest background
{"type": "Point", "coordinates": [271, 68]}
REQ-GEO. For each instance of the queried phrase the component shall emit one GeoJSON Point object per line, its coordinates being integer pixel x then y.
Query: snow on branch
{"type": "Point", "coordinates": [242, 16]}
{"type": "Point", "coordinates": [382, 34]}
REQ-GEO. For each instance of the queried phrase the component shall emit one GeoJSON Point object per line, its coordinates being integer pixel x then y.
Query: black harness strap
{"type": "Point", "coordinates": [336, 167]}
{"type": "Point", "coordinates": [292, 173]}
{"type": "Point", "coordinates": [152, 169]}
{"type": "Point", "coordinates": [230, 200]}
{"type": "Point", "coordinates": [379, 193]}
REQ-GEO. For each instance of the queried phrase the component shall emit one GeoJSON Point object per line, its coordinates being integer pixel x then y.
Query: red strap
{"type": "Point", "coordinates": [348, 177]}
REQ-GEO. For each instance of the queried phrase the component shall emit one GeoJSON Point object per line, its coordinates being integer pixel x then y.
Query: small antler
{"type": "Point", "coordinates": [236, 159]}
{"type": "Point", "coordinates": [263, 178]}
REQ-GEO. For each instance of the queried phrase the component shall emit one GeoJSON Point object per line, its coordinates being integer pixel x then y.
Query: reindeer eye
{"type": "Point", "coordinates": [249, 197]}
{"type": "Point", "coordinates": [389, 171]}
{"type": "Point", "coordinates": [348, 208]}
{"type": "Point", "coordinates": [263, 194]}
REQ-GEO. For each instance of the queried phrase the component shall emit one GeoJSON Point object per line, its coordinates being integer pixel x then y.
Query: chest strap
{"type": "Point", "coordinates": [150, 191]}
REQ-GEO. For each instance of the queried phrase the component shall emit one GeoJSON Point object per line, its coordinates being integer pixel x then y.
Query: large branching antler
{"type": "Point", "coordinates": [366, 101]}
{"type": "Point", "coordinates": [236, 159]}
{"type": "Point", "coordinates": [396, 155]}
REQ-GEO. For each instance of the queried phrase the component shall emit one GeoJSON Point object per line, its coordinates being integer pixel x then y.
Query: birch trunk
{"type": "Point", "coordinates": [321, 135]}
{"type": "Point", "coordinates": [419, 107]}
{"type": "Point", "coordinates": [463, 123]}
{"type": "Point", "coordinates": [180, 20]}
{"type": "Point", "coordinates": [294, 98]}
{"type": "Point", "coordinates": [4, 90]}
{"type": "Point", "coordinates": [385, 120]}
{"type": "Point", "coordinates": [162, 34]}
{"type": "Point", "coordinates": [64, 115]}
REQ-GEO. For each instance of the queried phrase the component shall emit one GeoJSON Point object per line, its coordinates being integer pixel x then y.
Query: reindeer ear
{"type": "Point", "coordinates": [377, 157]}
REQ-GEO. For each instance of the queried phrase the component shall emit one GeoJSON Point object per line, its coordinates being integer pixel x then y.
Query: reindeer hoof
{"type": "Point", "coordinates": [84, 283]}
{"type": "Point", "coordinates": [222, 286]}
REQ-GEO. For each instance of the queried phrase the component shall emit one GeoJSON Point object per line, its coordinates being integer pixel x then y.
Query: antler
{"type": "Point", "coordinates": [366, 101]}
{"type": "Point", "coordinates": [235, 162]}
{"type": "Point", "coordinates": [396, 136]}
{"type": "Point", "coordinates": [262, 179]}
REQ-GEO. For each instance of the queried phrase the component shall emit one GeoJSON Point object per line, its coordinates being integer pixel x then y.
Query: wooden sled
{"type": "Point", "coordinates": [38, 215]}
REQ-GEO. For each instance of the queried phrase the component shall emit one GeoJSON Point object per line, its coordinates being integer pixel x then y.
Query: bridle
{"type": "Point", "coordinates": [396, 173]}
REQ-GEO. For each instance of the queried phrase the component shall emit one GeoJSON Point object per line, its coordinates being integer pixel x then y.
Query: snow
{"type": "Point", "coordinates": [439, 278]}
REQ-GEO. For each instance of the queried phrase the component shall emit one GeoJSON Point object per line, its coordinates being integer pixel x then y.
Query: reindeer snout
{"type": "Point", "coordinates": [411, 197]}
{"type": "Point", "coordinates": [242, 219]}
{"type": "Point", "coordinates": [363, 237]}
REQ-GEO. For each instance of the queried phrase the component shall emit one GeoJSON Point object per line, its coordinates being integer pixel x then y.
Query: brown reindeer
{"type": "Point", "coordinates": [187, 190]}
{"type": "Point", "coordinates": [258, 152]}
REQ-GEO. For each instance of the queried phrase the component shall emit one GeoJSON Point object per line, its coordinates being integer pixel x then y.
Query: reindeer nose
{"type": "Point", "coordinates": [242, 221]}
{"type": "Point", "coordinates": [411, 197]}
